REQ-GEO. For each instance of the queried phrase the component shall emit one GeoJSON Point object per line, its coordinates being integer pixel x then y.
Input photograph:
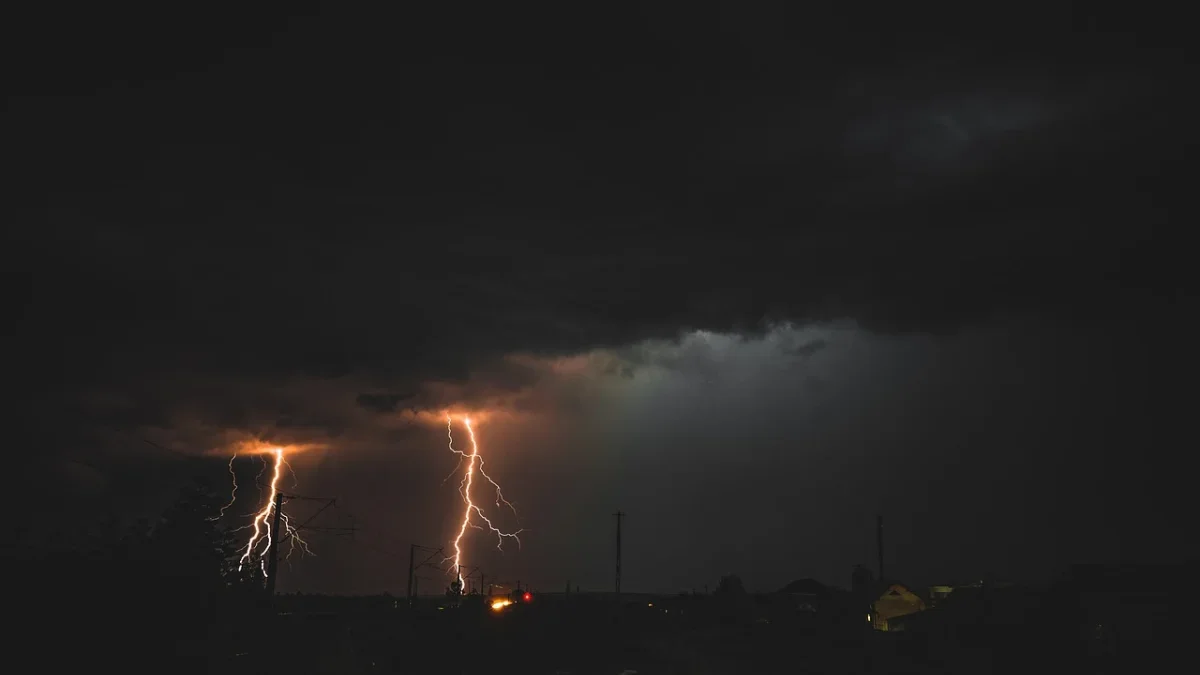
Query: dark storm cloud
{"type": "Point", "coordinates": [381, 402]}
{"type": "Point", "coordinates": [618, 236]}
{"type": "Point", "coordinates": [361, 205]}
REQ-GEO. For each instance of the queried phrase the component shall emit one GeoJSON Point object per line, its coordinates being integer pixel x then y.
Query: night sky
{"type": "Point", "coordinates": [750, 276]}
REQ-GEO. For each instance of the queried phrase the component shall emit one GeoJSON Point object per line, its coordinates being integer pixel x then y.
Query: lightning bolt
{"type": "Point", "coordinates": [295, 542]}
{"type": "Point", "coordinates": [232, 494]}
{"type": "Point", "coordinates": [474, 462]}
{"type": "Point", "coordinates": [260, 540]}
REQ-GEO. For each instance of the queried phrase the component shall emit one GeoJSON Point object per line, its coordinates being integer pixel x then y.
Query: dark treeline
{"type": "Point", "coordinates": [164, 593]}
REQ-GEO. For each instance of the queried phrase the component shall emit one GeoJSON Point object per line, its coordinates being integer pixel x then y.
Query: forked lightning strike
{"type": "Point", "coordinates": [232, 494]}
{"type": "Point", "coordinates": [474, 462]}
{"type": "Point", "coordinates": [260, 540]}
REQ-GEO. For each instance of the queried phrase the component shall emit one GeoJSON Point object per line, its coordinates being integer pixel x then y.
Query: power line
{"type": "Point", "coordinates": [412, 567]}
{"type": "Point", "coordinates": [304, 498]}
{"type": "Point", "coordinates": [287, 495]}
{"type": "Point", "coordinates": [171, 450]}
{"type": "Point", "coordinates": [284, 534]}
{"type": "Point", "coordinates": [311, 518]}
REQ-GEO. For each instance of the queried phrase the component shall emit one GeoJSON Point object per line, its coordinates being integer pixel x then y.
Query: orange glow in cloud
{"type": "Point", "coordinates": [476, 415]}
{"type": "Point", "coordinates": [260, 447]}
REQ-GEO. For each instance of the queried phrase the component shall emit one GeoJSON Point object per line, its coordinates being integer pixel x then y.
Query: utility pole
{"type": "Point", "coordinates": [273, 559]}
{"type": "Point", "coordinates": [412, 552]}
{"type": "Point", "coordinates": [879, 543]}
{"type": "Point", "coordinates": [619, 516]}
{"type": "Point", "coordinates": [412, 568]}
{"type": "Point", "coordinates": [280, 536]}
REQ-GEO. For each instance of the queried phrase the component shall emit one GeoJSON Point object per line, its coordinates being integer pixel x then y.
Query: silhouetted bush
{"type": "Point", "coordinates": [151, 592]}
{"type": "Point", "coordinates": [733, 604]}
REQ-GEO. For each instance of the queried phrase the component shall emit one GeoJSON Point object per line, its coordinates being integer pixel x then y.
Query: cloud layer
{"type": "Point", "coordinates": [328, 241]}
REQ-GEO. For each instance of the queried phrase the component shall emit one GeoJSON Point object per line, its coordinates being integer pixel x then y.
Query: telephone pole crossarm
{"type": "Point", "coordinates": [301, 526]}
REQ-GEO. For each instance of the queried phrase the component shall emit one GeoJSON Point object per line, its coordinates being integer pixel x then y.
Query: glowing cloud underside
{"type": "Point", "coordinates": [471, 510]}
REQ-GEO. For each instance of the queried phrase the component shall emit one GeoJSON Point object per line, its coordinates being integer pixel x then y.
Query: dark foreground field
{"type": "Point", "coordinates": [545, 637]}
{"type": "Point", "coordinates": [542, 638]}
{"type": "Point", "coordinates": [553, 640]}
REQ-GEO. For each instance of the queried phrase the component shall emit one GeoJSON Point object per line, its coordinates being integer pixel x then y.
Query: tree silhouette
{"type": "Point", "coordinates": [730, 585]}
{"type": "Point", "coordinates": [184, 559]}
{"type": "Point", "coordinates": [190, 544]}
{"type": "Point", "coordinates": [170, 581]}
{"type": "Point", "coordinates": [732, 601]}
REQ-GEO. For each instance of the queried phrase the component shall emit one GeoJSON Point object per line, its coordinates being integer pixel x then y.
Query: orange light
{"type": "Point", "coordinates": [500, 604]}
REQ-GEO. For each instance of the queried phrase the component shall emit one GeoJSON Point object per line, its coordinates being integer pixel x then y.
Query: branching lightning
{"type": "Point", "coordinates": [232, 494]}
{"type": "Point", "coordinates": [474, 463]}
{"type": "Point", "coordinates": [260, 540]}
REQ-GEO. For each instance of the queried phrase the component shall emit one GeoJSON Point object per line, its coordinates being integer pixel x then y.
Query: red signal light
{"type": "Point", "coordinates": [528, 597]}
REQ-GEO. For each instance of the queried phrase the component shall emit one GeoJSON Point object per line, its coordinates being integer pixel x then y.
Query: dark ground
{"type": "Point", "coordinates": [550, 641]}
{"type": "Point", "coordinates": [583, 636]}
{"type": "Point", "coordinates": [579, 638]}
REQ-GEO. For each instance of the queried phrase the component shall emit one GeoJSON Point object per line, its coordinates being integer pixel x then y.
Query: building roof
{"type": "Point", "coordinates": [879, 589]}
